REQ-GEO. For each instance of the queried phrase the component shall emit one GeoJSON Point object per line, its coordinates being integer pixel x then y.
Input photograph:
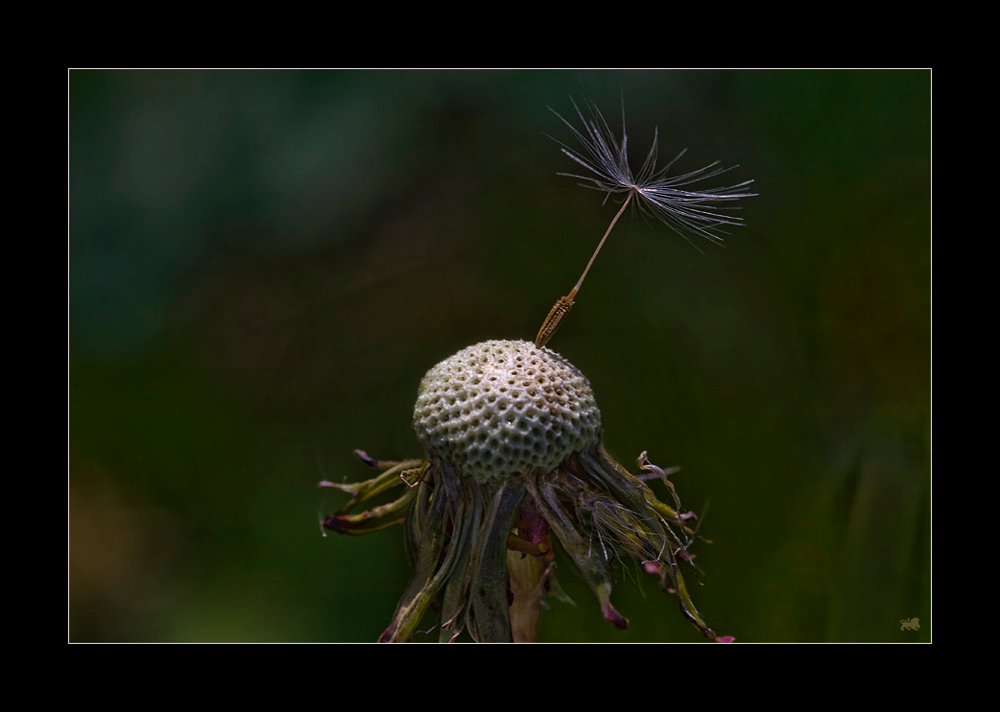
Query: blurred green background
{"type": "Point", "coordinates": [263, 264]}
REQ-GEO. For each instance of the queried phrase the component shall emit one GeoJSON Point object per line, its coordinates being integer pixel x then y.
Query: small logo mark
{"type": "Point", "coordinates": [911, 624]}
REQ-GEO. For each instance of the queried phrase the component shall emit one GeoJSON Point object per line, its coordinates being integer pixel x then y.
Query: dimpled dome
{"type": "Point", "coordinates": [502, 408]}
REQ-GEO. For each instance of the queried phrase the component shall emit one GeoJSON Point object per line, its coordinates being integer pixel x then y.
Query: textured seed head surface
{"type": "Point", "coordinates": [501, 408]}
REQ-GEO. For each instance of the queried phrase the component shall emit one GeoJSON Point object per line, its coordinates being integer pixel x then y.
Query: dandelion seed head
{"type": "Point", "coordinates": [502, 408]}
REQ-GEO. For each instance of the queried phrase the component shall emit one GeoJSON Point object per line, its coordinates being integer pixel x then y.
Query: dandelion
{"type": "Point", "coordinates": [513, 459]}
{"type": "Point", "coordinates": [691, 213]}
{"type": "Point", "coordinates": [513, 456]}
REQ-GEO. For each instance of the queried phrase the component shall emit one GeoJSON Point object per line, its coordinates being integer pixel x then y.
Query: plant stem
{"type": "Point", "coordinates": [527, 574]}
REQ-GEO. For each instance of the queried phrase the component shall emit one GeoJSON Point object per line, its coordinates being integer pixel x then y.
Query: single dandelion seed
{"type": "Point", "coordinates": [690, 213]}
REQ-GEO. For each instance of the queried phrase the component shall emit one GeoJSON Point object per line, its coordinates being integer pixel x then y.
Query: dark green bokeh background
{"type": "Point", "coordinates": [264, 264]}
